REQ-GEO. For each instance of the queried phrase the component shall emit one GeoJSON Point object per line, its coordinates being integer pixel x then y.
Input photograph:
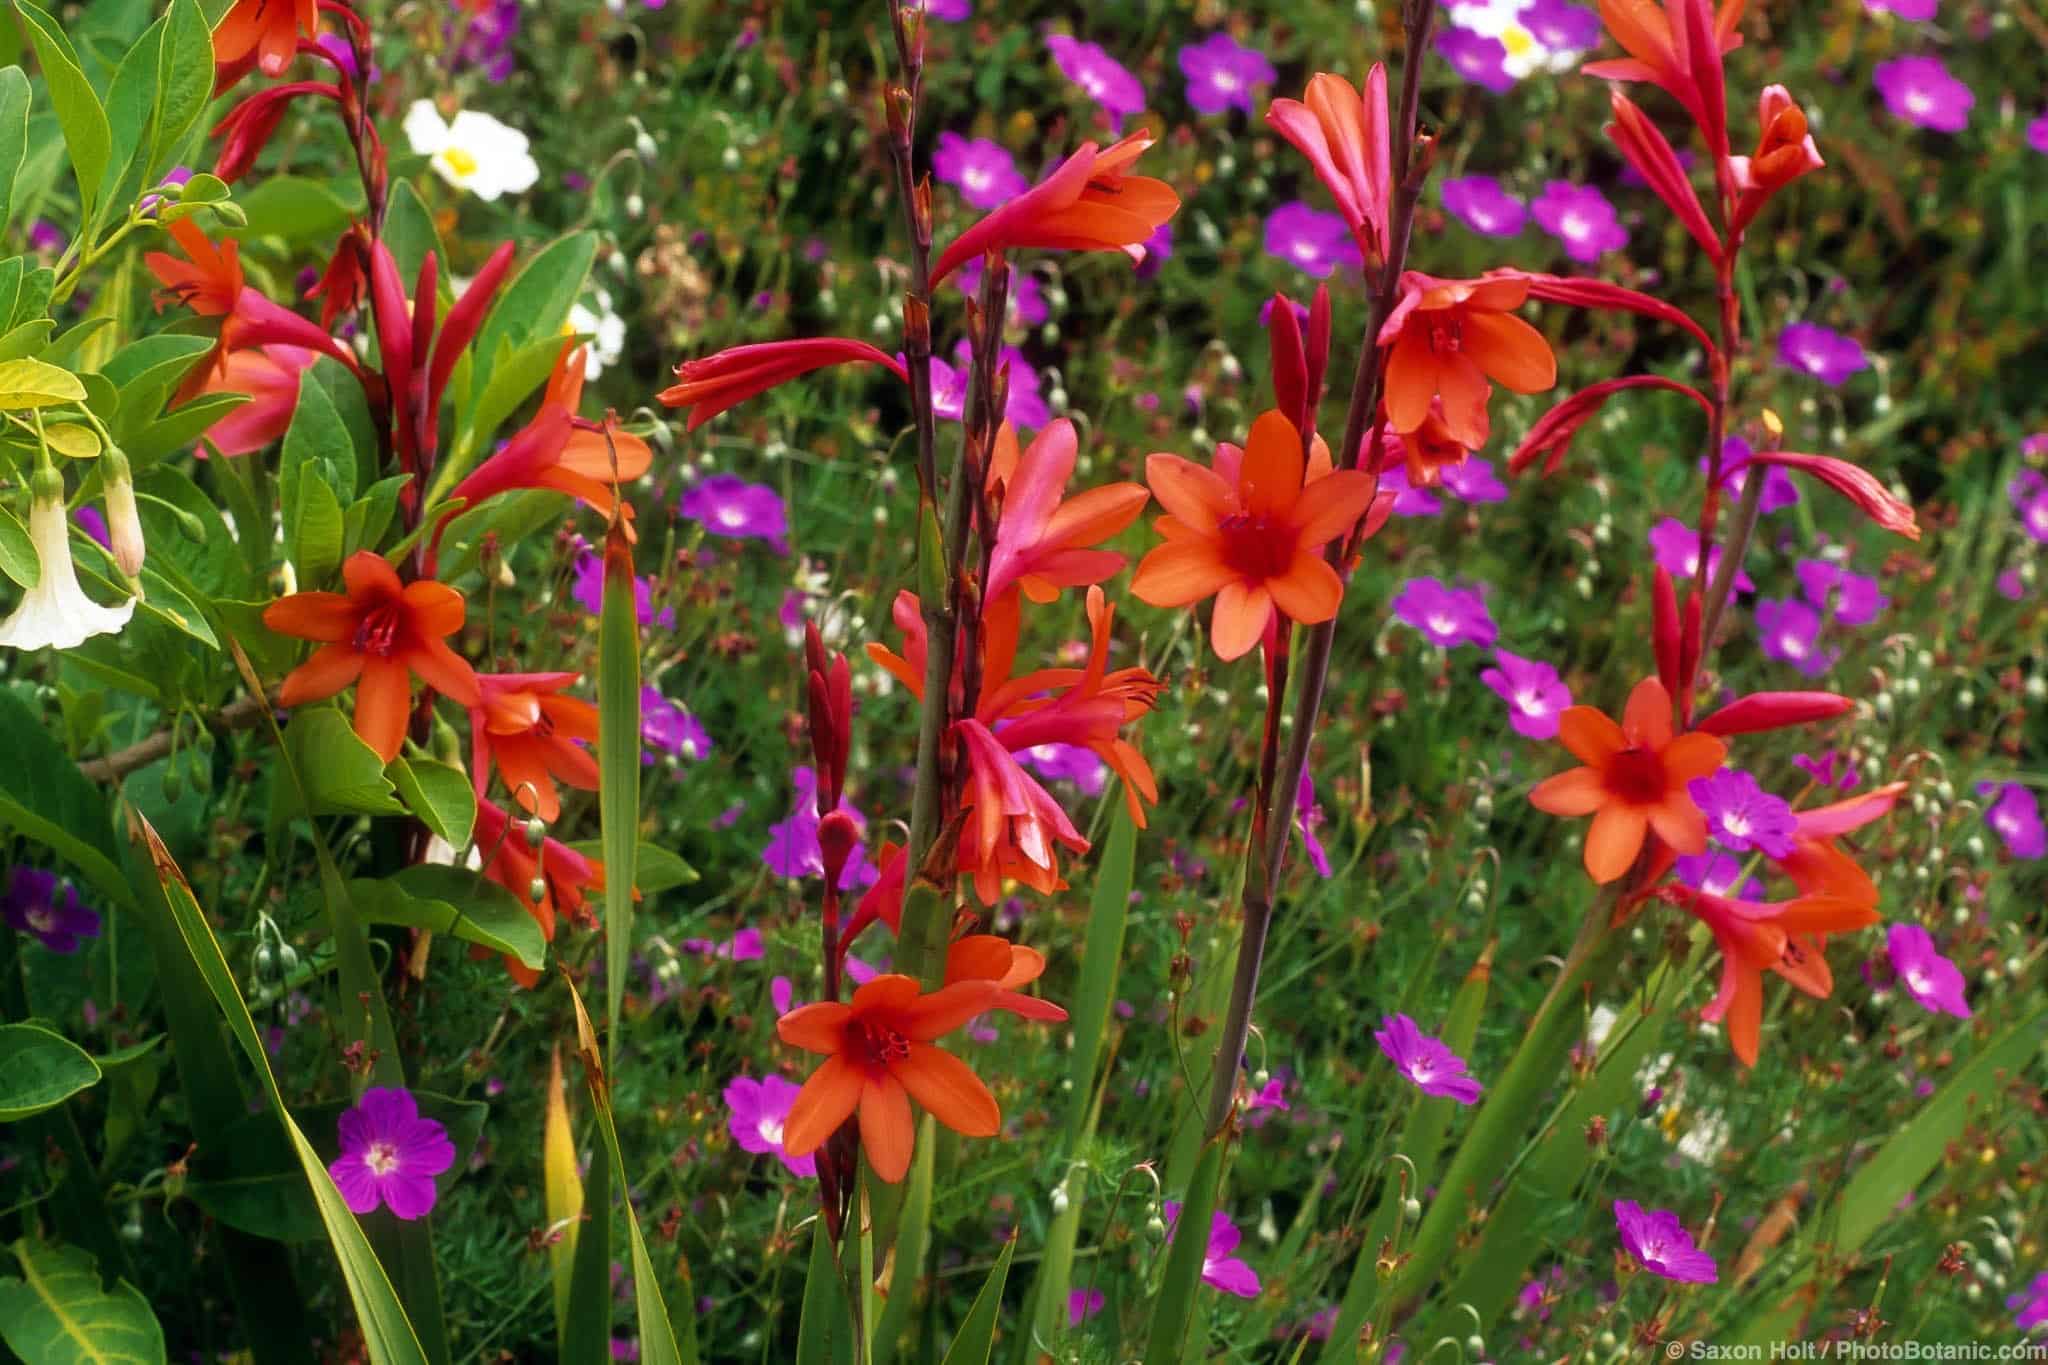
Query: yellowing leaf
{"type": "Point", "coordinates": [564, 1187]}
{"type": "Point", "coordinates": [26, 384]}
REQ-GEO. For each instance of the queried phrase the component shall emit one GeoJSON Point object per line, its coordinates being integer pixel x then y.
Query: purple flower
{"type": "Point", "coordinates": [1271, 1095]}
{"type": "Point", "coordinates": [1677, 550]}
{"type": "Point", "coordinates": [793, 843]}
{"type": "Point", "coordinates": [782, 995]}
{"type": "Point", "coordinates": [1661, 1245]}
{"type": "Point", "coordinates": [759, 1109]}
{"type": "Point", "coordinates": [389, 1154]}
{"type": "Point", "coordinates": [1083, 1304]}
{"type": "Point", "coordinates": [952, 11]}
{"type": "Point", "coordinates": [1409, 501]}
{"type": "Point", "coordinates": [2011, 586]}
{"type": "Point", "coordinates": [1220, 1269]}
{"type": "Point", "coordinates": [1535, 695]}
{"type": "Point", "coordinates": [2031, 1303]}
{"type": "Point", "coordinates": [176, 175]}
{"type": "Point", "coordinates": [1315, 241]}
{"type": "Point", "coordinates": [2037, 134]}
{"type": "Point", "coordinates": [1098, 73]}
{"type": "Point", "coordinates": [1741, 816]}
{"type": "Point", "coordinates": [1433, 1067]}
{"type": "Point", "coordinates": [1472, 480]}
{"type": "Point", "coordinates": [982, 170]}
{"type": "Point", "coordinates": [745, 946]}
{"type": "Point", "coordinates": [2016, 818]}
{"type": "Point", "coordinates": [1931, 979]}
{"type": "Point", "coordinates": [486, 37]}
{"type": "Point", "coordinates": [1779, 490]}
{"type": "Point", "coordinates": [1563, 28]}
{"type": "Point", "coordinates": [1307, 815]}
{"type": "Point", "coordinates": [1854, 597]}
{"type": "Point", "coordinates": [1071, 762]}
{"type": "Point", "coordinates": [1481, 204]}
{"type": "Point", "coordinates": [1581, 218]}
{"type": "Point", "coordinates": [1027, 301]}
{"type": "Point", "coordinates": [1480, 60]}
{"type": "Point", "coordinates": [587, 588]}
{"type": "Point", "coordinates": [669, 728]}
{"type": "Point", "coordinates": [1918, 11]}
{"type": "Point", "coordinates": [1789, 632]}
{"type": "Point", "coordinates": [1718, 874]}
{"type": "Point", "coordinates": [1827, 355]}
{"type": "Point", "coordinates": [1026, 410]}
{"type": "Point", "coordinates": [93, 524]}
{"type": "Point", "coordinates": [1447, 616]}
{"type": "Point", "coordinates": [1158, 251]}
{"type": "Point", "coordinates": [1221, 73]}
{"type": "Point", "coordinates": [729, 506]}
{"type": "Point", "coordinates": [2027, 491]}
{"type": "Point", "coordinates": [44, 235]}
{"type": "Point", "coordinates": [1832, 770]}
{"type": "Point", "coordinates": [1920, 91]}
{"type": "Point", "coordinates": [33, 905]}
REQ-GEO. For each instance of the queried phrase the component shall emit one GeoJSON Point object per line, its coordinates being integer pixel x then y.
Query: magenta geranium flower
{"type": "Point", "coordinates": [1083, 1304]}
{"type": "Point", "coordinates": [1447, 616]}
{"type": "Point", "coordinates": [586, 585]}
{"type": "Point", "coordinates": [2015, 817]}
{"type": "Point", "coordinates": [1535, 695]}
{"type": "Point", "coordinates": [1580, 217]}
{"type": "Point", "coordinates": [1718, 874]}
{"type": "Point", "coordinates": [1026, 410]}
{"type": "Point", "coordinates": [1827, 355]}
{"type": "Point", "coordinates": [1931, 979]}
{"type": "Point", "coordinates": [1098, 73]}
{"type": "Point", "coordinates": [1779, 490]}
{"type": "Point", "coordinates": [729, 506]}
{"type": "Point", "coordinates": [389, 1154]}
{"type": "Point", "coordinates": [1741, 816]}
{"type": "Point", "coordinates": [1067, 762]}
{"type": "Point", "coordinates": [743, 946]}
{"type": "Point", "coordinates": [1315, 241]}
{"type": "Point", "coordinates": [1220, 1269]}
{"type": "Point", "coordinates": [1479, 202]}
{"type": "Point", "coordinates": [1921, 91]}
{"type": "Point", "coordinates": [2028, 493]}
{"type": "Point", "coordinates": [1789, 632]}
{"type": "Point", "coordinates": [1221, 73]}
{"type": "Point", "coordinates": [1409, 501]}
{"type": "Point", "coordinates": [1307, 815]}
{"type": "Point", "coordinates": [1918, 11]}
{"type": "Point", "coordinates": [2031, 1304]}
{"type": "Point", "coordinates": [1027, 300]}
{"type": "Point", "coordinates": [1472, 480]}
{"type": "Point", "coordinates": [666, 728]}
{"type": "Point", "coordinates": [1426, 1061]}
{"type": "Point", "coordinates": [1676, 547]}
{"type": "Point", "coordinates": [793, 849]}
{"type": "Point", "coordinates": [1477, 58]}
{"type": "Point", "coordinates": [1833, 770]}
{"type": "Point", "coordinates": [2037, 134]}
{"type": "Point", "coordinates": [37, 904]}
{"type": "Point", "coordinates": [759, 1109]}
{"type": "Point", "coordinates": [1659, 1243]}
{"type": "Point", "coordinates": [1854, 597]}
{"type": "Point", "coordinates": [981, 169]}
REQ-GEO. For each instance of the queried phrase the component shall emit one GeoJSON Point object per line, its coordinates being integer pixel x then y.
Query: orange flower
{"type": "Point", "coordinates": [377, 636]}
{"type": "Point", "coordinates": [1816, 866]}
{"type": "Point", "coordinates": [1426, 451]}
{"type": "Point", "coordinates": [985, 957]}
{"type": "Point", "coordinates": [1252, 536]}
{"type": "Point", "coordinates": [1634, 780]}
{"type": "Point", "coordinates": [710, 385]}
{"type": "Point", "coordinates": [564, 875]}
{"type": "Point", "coordinates": [1344, 136]}
{"type": "Point", "coordinates": [1447, 338]}
{"type": "Point", "coordinates": [1042, 542]}
{"type": "Point", "coordinates": [270, 29]}
{"type": "Point", "coordinates": [1089, 204]}
{"type": "Point", "coordinates": [1756, 937]}
{"type": "Point", "coordinates": [878, 1057]}
{"type": "Point", "coordinates": [208, 280]}
{"type": "Point", "coordinates": [1677, 46]}
{"type": "Point", "coordinates": [532, 734]}
{"type": "Point", "coordinates": [270, 376]}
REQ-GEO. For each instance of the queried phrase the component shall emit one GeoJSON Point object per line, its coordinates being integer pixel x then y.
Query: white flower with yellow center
{"type": "Point", "coordinates": [1501, 20]}
{"type": "Point", "coordinates": [56, 612]}
{"type": "Point", "coordinates": [474, 152]}
{"type": "Point", "coordinates": [605, 328]}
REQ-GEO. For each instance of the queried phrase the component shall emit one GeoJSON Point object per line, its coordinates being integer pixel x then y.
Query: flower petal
{"type": "Point", "coordinates": [1179, 574]}
{"type": "Point", "coordinates": [824, 1103]}
{"type": "Point", "coordinates": [1242, 612]}
{"type": "Point", "coordinates": [1191, 494]}
{"type": "Point", "coordinates": [1579, 791]}
{"type": "Point", "coordinates": [1613, 841]}
{"type": "Point", "coordinates": [1592, 738]}
{"type": "Point", "coordinates": [949, 1090]}
{"type": "Point", "coordinates": [887, 1132]}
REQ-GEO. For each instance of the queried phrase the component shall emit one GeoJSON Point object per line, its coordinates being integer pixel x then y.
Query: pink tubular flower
{"type": "Point", "coordinates": [270, 376]}
{"type": "Point", "coordinates": [1785, 151]}
{"type": "Point", "coordinates": [1042, 544]}
{"type": "Point", "coordinates": [1652, 155]}
{"type": "Point", "coordinates": [1015, 823]}
{"type": "Point", "coordinates": [1853, 482]}
{"type": "Point", "coordinates": [390, 1155]}
{"type": "Point", "coordinates": [1676, 46]}
{"type": "Point", "coordinates": [1090, 203]}
{"type": "Point", "coordinates": [711, 385]}
{"type": "Point", "coordinates": [1344, 136]}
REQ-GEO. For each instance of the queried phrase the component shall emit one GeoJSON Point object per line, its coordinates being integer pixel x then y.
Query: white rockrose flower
{"type": "Point", "coordinates": [606, 330]}
{"type": "Point", "coordinates": [474, 152]}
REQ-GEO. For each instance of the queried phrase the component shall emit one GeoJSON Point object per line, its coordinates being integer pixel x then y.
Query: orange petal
{"type": "Point", "coordinates": [886, 1131]}
{"type": "Point", "coordinates": [931, 1016]}
{"type": "Point", "coordinates": [437, 609]}
{"type": "Point", "coordinates": [1094, 516]}
{"type": "Point", "coordinates": [1242, 612]}
{"type": "Point", "coordinates": [1179, 574]}
{"type": "Point", "coordinates": [978, 957]}
{"type": "Point", "coordinates": [1331, 506]}
{"type": "Point", "coordinates": [1465, 393]}
{"type": "Point", "coordinates": [367, 572]}
{"type": "Point", "coordinates": [889, 991]}
{"type": "Point", "coordinates": [1826, 915]}
{"type": "Point", "coordinates": [1309, 591]}
{"type": "Point", "coordinates": [1647, 721]}
{"type": "Point", "coordinates": [1613, 841]}
{"type": "Point", "coordinates": [1579, 791]}
{"type": "Point", "coordinates": [1269, 479]}
{"type": "Point", "coordinates": [816, 1027]}
{"type": "Point", "coordinates": [1678, 822]}
{"type": "Point", "coordinates": [949, 1090]}
{"type": "Point", "coordinates": [1693, 755]}
{"type": "Point", "coordinates": [1411, 380]}
{"type": "Point", "coordinates": [383, 701]}
{"type": "Point", "coordinates": [1746, 1014]}
{"type": "Point", "coordinates": [1592, 738]}
{"type": "Point", "coordinates": [444, 671]}
{"type": "Point", "coordinates": [824, 1103]}
{"type": "Point", "coordinates": [324, 616]}
{"type": "Point", "coordinates": [331, 668]}
{"type": "Point", "coordinates": [1191, 495]}
{"type": "Point", "coordinates": [1512, 353]}
{"type": "Point", "coordinates": [1026, 966]}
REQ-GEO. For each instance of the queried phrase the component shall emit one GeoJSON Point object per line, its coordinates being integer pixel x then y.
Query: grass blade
{"type": "Point", "coordinates": [978, 1333]}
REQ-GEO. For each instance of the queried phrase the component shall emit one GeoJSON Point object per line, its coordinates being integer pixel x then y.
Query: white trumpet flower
{"type": "Point", "coordinates": [56, 612]}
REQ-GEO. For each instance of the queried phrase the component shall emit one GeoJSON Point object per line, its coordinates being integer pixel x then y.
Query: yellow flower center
{"type": "Point", "coordinates": [458, 161]}
{"type": "Point", "coordinates": [1516, 40]}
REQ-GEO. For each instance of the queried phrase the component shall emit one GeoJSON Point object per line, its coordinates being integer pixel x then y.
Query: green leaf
{"type": "Point", "coordinates": [824, 1334]}
{"type": "Point", "coordinates": [65, 349]}
{"type": "Point", "coordinates": [453, 900]}
{"type": "Point", "coordinates": [1100, 958]}
{"type": "Point", "coordinates": [31, 338]}
{"type": "Point", "coordinates": [318, 458]}
{"type": "Point", "coordinates": [86, 136]}
{"type": "Point", "coordinates": [659, 870]}
{"type": "Point", "coordinates": [537, 301]}
{"type": "Point", "coordinates": [438, 794]}
{"type": "Point", "coordinates": [17, 552]}
{"type": "Point", "coordinates": [184, 87]}
{"type": "Point", "coordinates": [40, 1070]}
{"type": "Point", "coordinates": [44, 797]}
{"type": "Point", "coordinates": [387, 1335]}
{"type": "Point", "coordinates": [978, 1334]}
{"type": "Point", "coordinates": [618, 763]}
{"type": "Point", "coordinates": [410, 234]}
{"type": "Point", "coordinates": [340, 772]}
{"type": "Point", "coordinates": [73, 440]}
{"type": "Point", "coordinates": [299, 209]}
{"type": "Point", "coordinates": [28, 384]}
{"type": "Point", "coordinates": [179, 428]}
{"type": "Point", "coordinates": [130, 101]}
{"type": "Point", "coordinates": [15, 98]}
{"type": "Point", "coordinates": [57, 1313]}
{"type": "Point", "coordinates": [369, 516]}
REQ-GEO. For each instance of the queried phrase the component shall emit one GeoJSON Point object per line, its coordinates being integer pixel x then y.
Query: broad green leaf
{"type": "Point", "coordinates": [40, 1070]}
{"type": "Point", "coordinates": [659, 869]}
{"type": "Point", "coordinates": [298, 209]}
{"type": "Point", "coordinates": [340, 773]}
{"type": "Point", "coordinates": [439, 795]}
{"type": "Point", "coordinates": [369, 516]}
{"type": "Point", "coordinates": [86, 136]}
{"type": "Point", "coordinates": [618, 762]}
{"type": "Point", "coordinates": [144, 373]}
{"type": "Point", "coordinates": [513, 376]}
{"type": "Point", "coordinates": [17, 552]}
{"type": "Point", "coordinates": [536, 303]}
{"type": "Point", "coordinates": [31, 338]}
{"type": "Point", "coordinates": [387, 1336]}
{"type": "Point", "coordinates": [457, 901]}
{"type": "Point", "coordinates": [410, 234]}
{"type": "Point", "coordinates": [66, 348]}
{"type": "Point", "coordinates": [44, 797]}
{"type": "Point", "coordinates": [27, 384]}
{"type": "Point", "coordinates": [184, 87]}
{"type": "Point", "coordinates": [978, 1334]}
{"type": "Point", "coordinates": [824, 1333]}
{"type": "Point", "coordinates": [58, 1313]}
{"type": "Point", "coordinates": [318, 457]}
{"type": "Point", "coordinates": [179, 428]}
{"type": "Point", "coordinates": [15, 97]}
{"type": "Point", "coordinates": [73, 440]}
{"type": "Point", "coordinates": [12, 269]}
{"type": "Point", "coordinates": [130, 101]}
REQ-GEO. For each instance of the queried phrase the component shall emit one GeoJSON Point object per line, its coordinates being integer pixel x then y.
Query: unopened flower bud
{"type": "Point", "coordinates": [1411, 1210]}
{"type": "Point", "coordinates": [287, 958]}
{"type": "Point", "coordinates": [1059, 1200]}
{"type": "Point", "coordinates": [838, 836]}
{"type": "Point", "coordinates": [1260, 1077]}
{"type": "Point", "coordinates": [124, 527]}
{"type": "Point", "coordinates": [266, 960]}
{"type": "Point", "coordinates": [537, 890]}
{"type": "Point", "coordinates": [1155, 1228]}
{"type": "Point", "coordinates": [536, 832]}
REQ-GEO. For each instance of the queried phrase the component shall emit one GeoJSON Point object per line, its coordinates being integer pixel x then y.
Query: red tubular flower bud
{"type": "Point", "coordinates": [1554, 432]}
{"type": "Point", "coordinates": [838, 836]}
{"type": "Point", "coordinates": [1853, 482]}
{"type": "Point", "coordinates": [1290, 361]}
{"type": "Point", "coordinates": [342, 285]}
{"type": "Point", "coordinates": [1650, 153]}
{"type": "Point", "coordinates": [248, 127]}
{"type": "Point", "coordinates": [464, 319]}
{"type": "Point", "coordinates": [1689, 658]}
{"type": "Point", "coordinates": [1664, 630]}
{"type": "Point", "coordinates": [1599, 294]}
{"type": "Point", "coordinates": [1318, 350]}
{"type": "Point", "coordinates": [1785, 151]}
{"type": "Point", "coordinates": [709, 386]}
{"type": "Point", "coordinates": [1761, 711]}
